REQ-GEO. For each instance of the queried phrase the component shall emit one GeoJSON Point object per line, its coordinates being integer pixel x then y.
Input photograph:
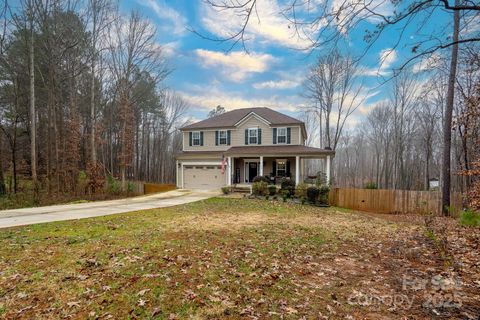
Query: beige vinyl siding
{"type": "Point", "coordinates": [208, 142]}
{"type": "Point", "coordinates": [238, 139]}
{"type": "Point", "coordinates": [238, 136]}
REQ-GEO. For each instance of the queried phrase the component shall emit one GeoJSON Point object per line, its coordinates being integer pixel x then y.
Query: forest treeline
{"type": "Point", "coordinates": [82, 98]}
{"type": "Point", "coordinates": [399, 143]}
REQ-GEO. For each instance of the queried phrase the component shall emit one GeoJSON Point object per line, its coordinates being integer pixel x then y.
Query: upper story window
{"type": "Point", "coordinates": [196, 138]}
{"type": "Point", "coordinates": [282, 135]}
{"type": "Point", "coordinates": [252, 136]}
{"type": "Point", "coordinates": [222, 137]}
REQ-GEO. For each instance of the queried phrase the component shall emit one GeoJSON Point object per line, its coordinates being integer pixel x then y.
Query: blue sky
{"type": "Point", "coordinates": [271, 75]}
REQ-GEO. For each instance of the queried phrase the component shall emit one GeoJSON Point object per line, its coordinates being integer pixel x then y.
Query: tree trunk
{"type": "Point", "coordinates": [3, 189]}
{"type": "Point", "coordinates": [447, 127]}
{"type": "Point", "coordinates": [92, 91]}
{"type": "Point", "coordinates": [33, 130]}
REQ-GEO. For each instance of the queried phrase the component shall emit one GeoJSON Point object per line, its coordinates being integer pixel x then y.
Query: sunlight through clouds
{"type": "Point", "coordinates": [237, 65]}
{"type": "Point", "coordinates": [266, 25]}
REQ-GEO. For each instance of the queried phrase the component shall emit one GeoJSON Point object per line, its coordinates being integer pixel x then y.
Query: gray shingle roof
{"type": "Point", "coordinates": [282, 149]}
{"type": "Point", "coordinates": [230, 118]}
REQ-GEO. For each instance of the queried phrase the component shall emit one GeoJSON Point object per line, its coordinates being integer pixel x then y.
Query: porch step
{"type": "Point", "coordinates": [241, 188]}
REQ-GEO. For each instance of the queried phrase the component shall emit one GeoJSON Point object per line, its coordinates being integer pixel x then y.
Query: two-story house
{"type": "Point", "coordinates": [236, 146]}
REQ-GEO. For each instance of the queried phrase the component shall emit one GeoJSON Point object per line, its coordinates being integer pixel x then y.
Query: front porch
{"type": "Point", "coordinates": [244, 164]}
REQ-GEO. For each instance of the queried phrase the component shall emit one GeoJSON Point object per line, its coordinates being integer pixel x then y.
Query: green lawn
{"type": "Point", "coordinates": [220, 258]}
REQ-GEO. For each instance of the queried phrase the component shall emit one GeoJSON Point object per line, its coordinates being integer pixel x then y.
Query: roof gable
{"type": "Point", "coordinates": [252, 115]}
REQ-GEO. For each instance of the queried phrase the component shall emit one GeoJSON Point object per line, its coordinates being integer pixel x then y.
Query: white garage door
{"type": "Point", "coordinates": [203, 177]}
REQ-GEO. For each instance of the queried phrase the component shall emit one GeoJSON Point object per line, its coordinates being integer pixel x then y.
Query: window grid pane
{"type": "Point", "coordinates": [196, 138]}
{"type": "Point", "coordinates": [252, 134]}
{"type": "Point", "coordinates": [222, 137]}
{"type": "Point", "coordinates": [281, 135]}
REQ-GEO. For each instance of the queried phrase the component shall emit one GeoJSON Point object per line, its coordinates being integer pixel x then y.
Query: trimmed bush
{"type": "Point", "coordinates": [321, 178]}
{"type": "Point", "coordinates": [312, 194]}
{"type": "Point", "coordinates": [226, 190]}
{"type": "Point", "coordinates": [260, 188]}
{"type": "Point", "coordinates": [301, 190]}
{"type": "Point", "coordinates": [323, 194]}
{"type": "Point", "coordinates": [288, 185]}
{"type": "Point", "coordinates": [261, 178]}
{"type": "Point", "coordinates": [272, 189]}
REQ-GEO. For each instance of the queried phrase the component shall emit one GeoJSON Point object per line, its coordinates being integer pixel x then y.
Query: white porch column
{"type": "Point", "coordinates": [261, 166]}
{"type": "Point", "coordinates": [327, 169]}
{"type": "Point", "coordinates": [297, 170]}
{"type": "Point", "coordinates": [229, 171]}
{"type": "Point", "coordinates": [232, 172]}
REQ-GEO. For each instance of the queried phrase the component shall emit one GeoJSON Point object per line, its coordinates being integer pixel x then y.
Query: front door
{"type": "Point", "coordinates": [237, 175]}
{"type": "Point", "coordinates": [252, 171]}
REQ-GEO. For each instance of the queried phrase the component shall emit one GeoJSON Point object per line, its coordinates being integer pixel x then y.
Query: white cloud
{"type": "Point", "coordinates": [236, 65]}
{"type": "Point", "coordinates": [428, 63]}
{"type": "Point", "coordinates": [176, 20]}
{"type": "Point", "coordinates": [280, 84]}
{"type": "Point", "coordinates": [266, 24]}
{"type": "Point", "coordinates": [170, 49]}
{"type": "Point", "coordinates": [386, 58]}
{"type": "Point", "coordinates": [207, 97]}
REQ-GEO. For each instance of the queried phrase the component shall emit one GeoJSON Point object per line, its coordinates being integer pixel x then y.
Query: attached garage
{"type": "Point", "coordinates": [205, 177]}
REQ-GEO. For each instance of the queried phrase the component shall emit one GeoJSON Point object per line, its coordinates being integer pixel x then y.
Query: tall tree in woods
{"type": "Point", "coordinates": [99, 12]}
{"type": "Point", "coordinates": [133, 51]}
{"type": "Point", "coordinates": [31, 71]}
{"type": "Point", "coordinates": [447, 127]}
{"type": "Point", "coordinates": [333, 89]}
{"type": "Point", "coordinates": [332, 86]}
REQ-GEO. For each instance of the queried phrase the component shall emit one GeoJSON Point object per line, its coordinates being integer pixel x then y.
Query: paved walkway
{"type": "Point", "coordinates": [26, 216]}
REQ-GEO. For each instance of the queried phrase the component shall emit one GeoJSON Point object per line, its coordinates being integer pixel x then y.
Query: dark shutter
{"type": "Point", "coordinates": [259, 138]}
{"type": "Point", "coordinates": [216, 137]}
{"type": "Point", "coordinates": [289, 135]}
{"type": "Point", "coordinates": [274, 135]}
{"type": "Point", "coordinates": [246, 136]}
{"type": "Point", "coordinates": [229, 135]}
{"type": "Point", "coordinates": [274, 168]}
{"type": "Point", "coordinates": [201, 138]}
{"type": "Point", "coordinates": [288, 168]}
{"type": "Point", "coordinates": [190, 138]}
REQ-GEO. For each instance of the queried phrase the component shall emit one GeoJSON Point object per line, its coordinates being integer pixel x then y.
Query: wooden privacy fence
{"type": "Point", "coordinates": [154, 187]}
{"type": "Point", "coordinates": [392, 201]}
{"type": "Point", "coordinates": [140, 187]}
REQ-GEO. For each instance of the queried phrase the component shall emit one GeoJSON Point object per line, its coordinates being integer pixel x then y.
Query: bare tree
{"type": "Point", "coordinates": [31, 70]}
{"type": "Point", "coordinates": [447, 127]}
{"type": "Point", "coordinates": [332, 86]}
{"type": "Point", "coordinates": [132, 51]}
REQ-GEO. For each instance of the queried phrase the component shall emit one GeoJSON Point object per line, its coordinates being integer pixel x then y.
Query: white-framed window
{"type": "Point", "coordinates": [195, 138]}
{"type": "Point", "coordinates": [281, 167]}
{"type": "Point", "coordinates": [281, 135]}
{"type": "Point", "coordinates": [252, 136]}
{"type": "Point", "coordinates": [222, 137]}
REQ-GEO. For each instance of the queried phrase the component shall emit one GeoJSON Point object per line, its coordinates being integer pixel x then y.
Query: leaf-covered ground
{"type": "Point", "coordinates": [238, 259]}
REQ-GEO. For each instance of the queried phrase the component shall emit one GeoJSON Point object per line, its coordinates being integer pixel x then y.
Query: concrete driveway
{"type": "Point", "coordinates": [26, 216]}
